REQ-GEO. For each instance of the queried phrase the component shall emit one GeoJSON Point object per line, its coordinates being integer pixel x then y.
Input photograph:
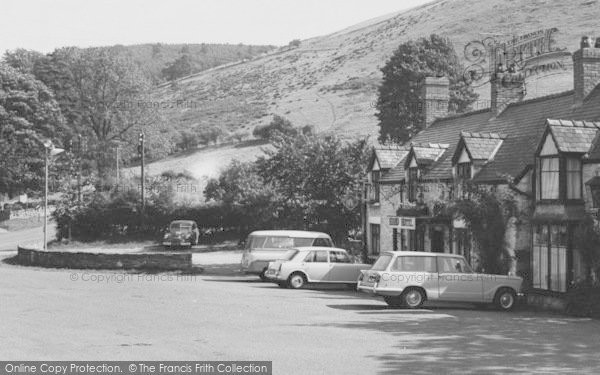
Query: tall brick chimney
{"type": "Point", "coordinates": [586, 68]}
{"type": "Point", "coordinates": [435, 95]}
{"type": "Point", "coordinates": [507, 87]}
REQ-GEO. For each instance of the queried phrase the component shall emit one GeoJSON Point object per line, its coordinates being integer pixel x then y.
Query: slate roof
{"type": "Point", "coordinates": [428, 153]}
{"type": "Point", "coordinates": [522, 124]}
{"type": "Point", "coordinates": [481, 146]}
{"type": "Point", "coordinates": [573, 136]}
{"type": "Point", "coordinates": [389, 156]}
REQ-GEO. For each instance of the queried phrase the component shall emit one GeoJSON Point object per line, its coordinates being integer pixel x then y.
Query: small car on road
{"type": "Point", "coordinates": [315, 265]}
{"type": "Point", "coordinates": [265, 246]}
{"type": "Point", "coordinates": [181, 233]}
{"type": "Point", "coordinates": [409, 278]}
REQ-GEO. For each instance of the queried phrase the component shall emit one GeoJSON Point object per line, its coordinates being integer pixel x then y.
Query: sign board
{"type": "Point", "coordinates": [402, 222]}
{"type": "Point", "coordinates": [408, 223]}
{"type": "Point", "coordinates": [459, 223]}
{"type": "Point", "coordinates": [394, 221]}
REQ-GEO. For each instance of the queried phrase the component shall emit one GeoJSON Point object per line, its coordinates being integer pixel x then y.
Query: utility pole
{"type": "Point", "coordinates": [117, 165]}
{"type": "Point", "coordinates": [46, 152]}
{"type": "Point", "coordinates": [80, 152]}
{"type": "Point", "coordinates": [141, 154]}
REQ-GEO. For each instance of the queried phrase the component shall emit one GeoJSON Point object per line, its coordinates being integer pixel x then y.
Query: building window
{"type": "Point", "coordinates": [395, 239]}
{"type": "Point", "coordinates": [420, 238]}
{"type": "Point", "coordinates": [375, 239]}
{"type": "Point", "coordinates": [549, 257]}
{"type": "Point", "coordinates": [573, 178]}
{"type": "Point", "coordinates": [463, 171]}
{"type": "Point", "coordinates": [413, 178]}
{"type": "Point", "coordinates": [375, 175]}
{"type": "Point", "coordinates": [548, 178]}
{"type": "Point", "coordinates": [463, 243]}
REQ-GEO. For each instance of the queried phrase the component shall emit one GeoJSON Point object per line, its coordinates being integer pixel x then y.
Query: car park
{"type": "Point", "coordinates": [262, 247]}
{"type": "Point", "coordinates": [181, 233]}
{"type": "Point", "coordinates": [409, 278]}
{"type": "Point", "coordinates": [315, 265]}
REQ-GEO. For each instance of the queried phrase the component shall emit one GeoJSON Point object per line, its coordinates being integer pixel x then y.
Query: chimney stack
{"type": "Point", "coordinates": [586, 68]}
{"type": "Point", "coordinates": [508, 86]}
{"type": "Point", "coordinates": [435, 96]}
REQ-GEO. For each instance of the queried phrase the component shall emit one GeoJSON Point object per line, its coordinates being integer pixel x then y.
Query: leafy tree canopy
{"type": "Point", "coordinates": [29, 115]}
{"type": "Point", "coordinates": [400, 117]}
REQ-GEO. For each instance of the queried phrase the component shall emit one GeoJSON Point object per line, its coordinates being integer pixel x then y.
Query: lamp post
{"type": "Point", "coordinates": [49, 150]}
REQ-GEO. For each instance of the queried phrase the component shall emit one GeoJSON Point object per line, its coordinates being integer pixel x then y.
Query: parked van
{"type": "Point", "coordinates": [265, 246]}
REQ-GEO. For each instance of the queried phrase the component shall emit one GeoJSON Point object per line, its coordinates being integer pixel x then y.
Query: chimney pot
{"type": "Point", "coordinates": [586, 42]}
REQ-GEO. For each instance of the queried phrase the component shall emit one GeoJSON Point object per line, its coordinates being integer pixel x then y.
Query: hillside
{"type": "Point", "coordinates": [330, 82]}
{"type": "Point", "coordinates": [153, 58]}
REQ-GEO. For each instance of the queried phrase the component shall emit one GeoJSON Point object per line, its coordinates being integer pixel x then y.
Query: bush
{"type": "Point", "coordinates": [584, 300]}
{"type": "Point", "coordinates": [277, 125]}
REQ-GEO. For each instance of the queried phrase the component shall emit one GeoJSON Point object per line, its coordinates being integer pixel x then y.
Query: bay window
{"type": "Point", "coordinates": [549, 177]}
{"type": "Point", "coordinates": [559, 178]}
{"type": "Point", "coordinates": [549, 257]}
{"type": "Point", "coordinates": [573, 178]}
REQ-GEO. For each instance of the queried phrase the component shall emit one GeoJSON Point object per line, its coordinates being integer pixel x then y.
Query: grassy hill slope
{"type": "Point", "coordinates": [330, 82]}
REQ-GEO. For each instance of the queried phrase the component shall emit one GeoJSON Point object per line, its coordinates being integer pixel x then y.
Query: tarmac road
{"type": "Point", "coordinates": [10, 240]}
{"type": "Point", "coordinates": [48, 314]}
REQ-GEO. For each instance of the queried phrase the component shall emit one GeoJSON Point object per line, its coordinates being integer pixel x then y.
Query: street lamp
{"type": "Point", "coordinates": [49, 150]}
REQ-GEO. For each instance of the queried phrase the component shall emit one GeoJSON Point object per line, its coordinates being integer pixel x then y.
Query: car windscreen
{"type": "Point", "coordinates": [382, 263]}
{"type": "Point", "coordinates": [277, 242]}
{"type": "Point", "coordinates": [181, 227]}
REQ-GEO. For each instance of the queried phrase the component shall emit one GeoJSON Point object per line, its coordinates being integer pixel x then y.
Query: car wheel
{"type": "Point", "coordinates": [505, 299]}
{"type": "Point", "coordinates": [296, 280]}
{"type": "Point", "coordinates": [413, 298]}
{"type": "Point", "coordinates": [393, 301]}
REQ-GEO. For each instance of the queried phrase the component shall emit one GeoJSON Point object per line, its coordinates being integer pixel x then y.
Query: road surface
{"type": "Point", "coordinates": [48, 314]}
{"type": "Point", "coordinates": [10, 240]}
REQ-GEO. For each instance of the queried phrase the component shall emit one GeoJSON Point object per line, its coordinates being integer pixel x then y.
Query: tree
{"type": "Point", "coordinates": [313, 175]}
{"type": "Point", "coordinates": [399, 117]}
{"type": "Point", "coordinates": [248, 199]}
{"type": "Point", "coordinates": [23, 60]}
{"type": "Point", "coordinates": [28, 115]}
{"type": "Point", "coordinates": [183, 66]}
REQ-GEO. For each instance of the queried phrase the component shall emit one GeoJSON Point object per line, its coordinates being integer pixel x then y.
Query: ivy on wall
{"type": "Point", "coordinates": [486, 214]}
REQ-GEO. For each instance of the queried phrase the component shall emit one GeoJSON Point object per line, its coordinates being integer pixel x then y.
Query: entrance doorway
{"type": "Point", "coordinates": [437, 241]}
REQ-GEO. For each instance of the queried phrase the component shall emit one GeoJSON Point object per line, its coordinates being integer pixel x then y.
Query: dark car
{"type": "Point", "coordinates": [181, 233]}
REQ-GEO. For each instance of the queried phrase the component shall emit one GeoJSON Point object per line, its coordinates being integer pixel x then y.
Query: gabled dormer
{"type": "Point", "coordinates": [558, 160]}
{"type": "Point", "coordinates": [382, 160]}
{"type": "Point", "coordinates": [473, 151]}
{"type": "Point", "coordinates": [419, 159]}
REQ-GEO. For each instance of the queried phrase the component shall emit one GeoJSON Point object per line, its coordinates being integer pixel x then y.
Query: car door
{"type": "Point", "coordinates": [316, 265]}
{"type": "Point", "coordinates": [457, 282]}
{"type": "Point", "coordinates": [343, 270]}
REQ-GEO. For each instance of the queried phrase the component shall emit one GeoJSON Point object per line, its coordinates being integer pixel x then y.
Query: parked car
{"type": "Point", "coordinates": [408, 278]}
{"type": "Point", "coordinates": [315, 265]}
{"type": "Point", "coordinates": [181, 233]}
{"type": "Point", "coordinates": [265, 246]}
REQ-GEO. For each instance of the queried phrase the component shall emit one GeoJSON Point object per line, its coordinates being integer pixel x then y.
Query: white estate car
{"type": "Point", "coordinates": [265, 246]}
{"type": "Point", "coordinates": [315, 265]}
{"type": "Point", "coordinates": [408, 278]}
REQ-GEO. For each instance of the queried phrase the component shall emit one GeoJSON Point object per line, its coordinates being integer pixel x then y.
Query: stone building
{"type": "Point", "coordinates": [542, 152]}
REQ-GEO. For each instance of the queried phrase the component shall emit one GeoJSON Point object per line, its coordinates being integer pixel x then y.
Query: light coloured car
{"type": "Point", "coordinates": [315, 265]}
{"type": "Point", "coordinates": [409, 278]}
{"type": "Point", "coordinates": [266, 246]}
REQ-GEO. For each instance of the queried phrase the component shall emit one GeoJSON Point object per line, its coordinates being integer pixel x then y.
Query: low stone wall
{"type": "Point", "coordinates": [546, 302]}
{"type": "Point", "coordinates": [81, 260]}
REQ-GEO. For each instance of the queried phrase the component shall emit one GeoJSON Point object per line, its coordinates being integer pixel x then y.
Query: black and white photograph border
{"type": "Point", "coordinates": [299, 187]}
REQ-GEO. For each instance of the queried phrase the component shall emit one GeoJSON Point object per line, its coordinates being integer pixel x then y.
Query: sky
{"type": "Point", "coordinates": [44, 25]}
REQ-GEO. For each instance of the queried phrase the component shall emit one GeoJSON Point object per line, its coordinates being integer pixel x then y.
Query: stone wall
{"type": "Point", "coordinates": [81, 260]}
